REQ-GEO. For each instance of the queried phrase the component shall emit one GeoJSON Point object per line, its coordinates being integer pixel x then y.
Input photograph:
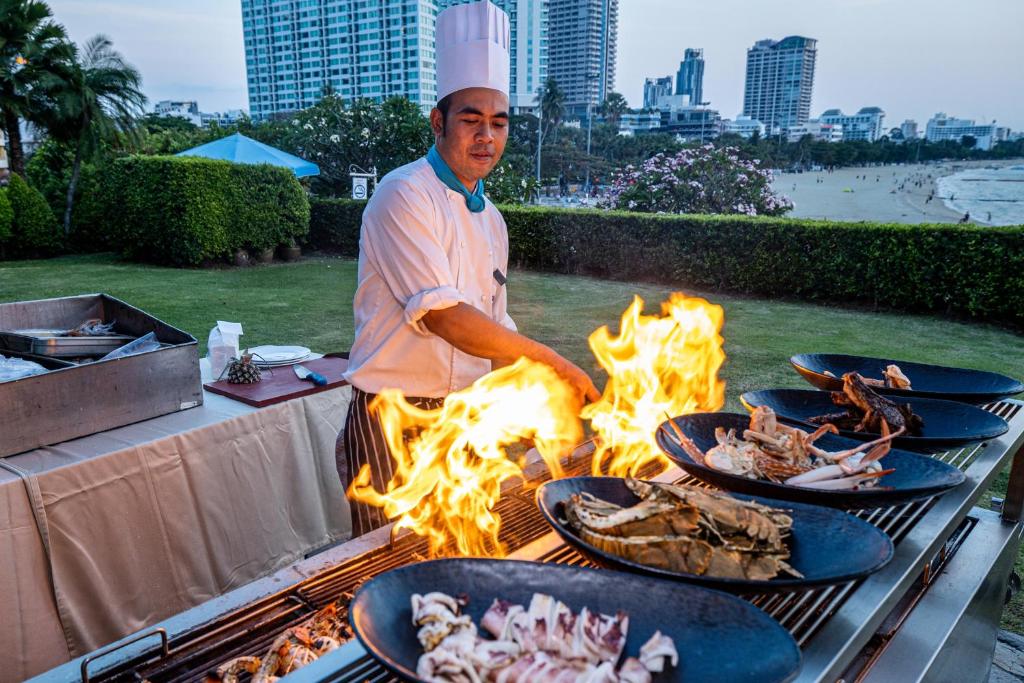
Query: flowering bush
{"type": "Point", "coordinates": [506, 185]}
{"type": "Point", "coordinates": [334, 133]}
{"type": "Point", "coordinates": [698, 180]}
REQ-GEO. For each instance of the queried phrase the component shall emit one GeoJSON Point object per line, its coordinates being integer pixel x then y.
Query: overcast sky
{"type": "Point", "coordinates": [910, 57]}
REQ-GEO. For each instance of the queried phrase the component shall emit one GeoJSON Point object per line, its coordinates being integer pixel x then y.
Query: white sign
{"type": "Point", "coordinates": [359, 187]}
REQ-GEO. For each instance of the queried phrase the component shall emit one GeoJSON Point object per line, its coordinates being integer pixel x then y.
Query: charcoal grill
{"type": "Point", "coordinates": [931, 614]}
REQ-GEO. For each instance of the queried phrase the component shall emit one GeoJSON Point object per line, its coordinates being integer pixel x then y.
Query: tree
{"type": "Point", "coordinates": [552, 106]}
{"type": "Point", "coordinates": [100, 101]}
{"type": "Point", "coordinates": [969, 141]}
{"type": "Point", "coordinates": [701, 179]}
{"type": "Point", "coordinates": [613, 107]}
{"type": "Point", "coordinates": [33, 49]}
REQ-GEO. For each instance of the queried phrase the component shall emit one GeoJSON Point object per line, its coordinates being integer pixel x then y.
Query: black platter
{"type": "Point", "coordinates": [916, 476]}
{"type": "Point", "coordinates": [719, 637]}
{"type": "Point", "coordinates": [946, 423]}
{"type": "Point", "coordinates": [928, 381]}
{"type": "Point", "coordinates": [828, 546]}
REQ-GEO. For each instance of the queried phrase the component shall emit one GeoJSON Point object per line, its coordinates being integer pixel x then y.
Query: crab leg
{"type": "Point", "coordinates": [820, 432]}
{"type": "Point", "coordinates": [851, 482]}
{"type": "Point", "coordinates": [860, 448]}
{"type": "Point", "coordinates": [876, 453]}
{"type": "Point", "coordinates": [684, 442]}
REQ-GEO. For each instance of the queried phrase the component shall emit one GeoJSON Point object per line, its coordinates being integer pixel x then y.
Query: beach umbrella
{"type": "Point", "coordinates": [243, 150]}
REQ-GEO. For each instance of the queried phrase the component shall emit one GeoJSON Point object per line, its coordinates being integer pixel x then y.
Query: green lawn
{"type": "Point", "coordinates": [309, 303]}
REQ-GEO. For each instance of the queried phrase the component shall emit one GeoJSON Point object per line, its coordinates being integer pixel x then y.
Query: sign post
{"type": "Point", "coordinates": [361, 181]}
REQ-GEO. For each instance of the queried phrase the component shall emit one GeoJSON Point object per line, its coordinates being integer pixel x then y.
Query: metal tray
{"type": "Point", "coordinates": [47, 343]}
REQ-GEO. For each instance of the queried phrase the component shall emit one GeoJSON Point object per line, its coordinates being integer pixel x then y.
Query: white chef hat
{"type": "Point", "coordinates": [472, 48]}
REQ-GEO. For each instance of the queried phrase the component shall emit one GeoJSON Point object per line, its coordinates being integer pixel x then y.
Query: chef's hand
{"type": "Point", "coordinates": [579, 380]}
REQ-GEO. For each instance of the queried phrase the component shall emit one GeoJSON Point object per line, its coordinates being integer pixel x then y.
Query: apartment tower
{"type": "Point", "coordinates": [780, 78]}
{"type": "Point", "coordinates": [297, 49]}
{"type": "Point", "coordinates": [581, 50]}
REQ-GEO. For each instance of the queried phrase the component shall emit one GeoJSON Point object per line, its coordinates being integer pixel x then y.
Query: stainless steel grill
{"type": "Point", "coordinates": [926, 534]}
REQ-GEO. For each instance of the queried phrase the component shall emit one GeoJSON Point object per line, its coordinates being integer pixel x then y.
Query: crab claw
{"type": "Point", "coordinates": [853, 465]}
{"type": "Point", "coordinates": [887, 437]}
{"type": "Point", "coordinates": [816, 475]}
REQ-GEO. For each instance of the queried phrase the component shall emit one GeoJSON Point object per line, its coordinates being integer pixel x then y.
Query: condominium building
{"type": "Point", "coordinates": [909, 129]}
{"type": "Point", "coordinates": [655, 89]}
{"type": "Point", "coordinates": [780, 79]}
{"type": "Point", "coordinates": [528, 23]}
{"type": "Point", "coordinates": [689, 122]}
{"type": "Point", "coordinates": [296, 49]}
{"type": "Point", "coordinates": [818, 129]}
{"type": "Point", "coordinates": [690, 77]}
{"type": "Point", "coordinates": [744, 126]}
{"type": "Point", "coordinates": [179, 109]}
{"type": "Point", "coordinates": [865, 125]}
{"type": "Point", "coordinates": [941, 127]}
{"type": "Point", "coordinates": [632, 123]}
{"type": "Point", "coordinates": [582, 37]}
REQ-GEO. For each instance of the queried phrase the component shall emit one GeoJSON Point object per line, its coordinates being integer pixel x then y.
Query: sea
{"type": "Point", "coordinates": [993, 196]}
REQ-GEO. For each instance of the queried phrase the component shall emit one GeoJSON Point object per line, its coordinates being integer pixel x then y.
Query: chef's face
{"type": "Point", "coordinates": [471, 135]}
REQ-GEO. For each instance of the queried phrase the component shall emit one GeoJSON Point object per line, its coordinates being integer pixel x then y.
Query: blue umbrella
{"type": "Point", "coordinates": [243, 150]}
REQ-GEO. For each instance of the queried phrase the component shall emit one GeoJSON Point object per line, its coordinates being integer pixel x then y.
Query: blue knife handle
{"type": "Point", "coordinates": [317, 379]}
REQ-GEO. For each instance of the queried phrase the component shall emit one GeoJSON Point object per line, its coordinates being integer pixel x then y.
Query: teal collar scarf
{"type": "Point", "coordinates": [474, 200]}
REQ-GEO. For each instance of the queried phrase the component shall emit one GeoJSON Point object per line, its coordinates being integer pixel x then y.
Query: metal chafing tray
{"type": "Point", "coordinates": [72, 400]}
{"type": "Point", "coordinates": [49, 342]}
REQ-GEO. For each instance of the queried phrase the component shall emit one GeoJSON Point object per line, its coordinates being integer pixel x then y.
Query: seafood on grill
{"type": "Point", "coordinates": [292, 649]}
{"type": "Point", "coordinates": [892, 378]}
{"type": "Point", "coordinates": [776, 452]}
{"type": "Point", "coordinates": [687, 529]}
{"type": "Point", "coordinates": [866, 411]}
{"type": "Point", "coordinates": [544, 642]}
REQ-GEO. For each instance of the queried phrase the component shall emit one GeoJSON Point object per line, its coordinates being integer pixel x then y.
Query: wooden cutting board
{"type": "Point", "coordinates": [283, 385]}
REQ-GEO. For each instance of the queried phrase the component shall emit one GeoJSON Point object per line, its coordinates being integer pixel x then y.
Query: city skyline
{"type": "Point", "coordinates": [903, 56]}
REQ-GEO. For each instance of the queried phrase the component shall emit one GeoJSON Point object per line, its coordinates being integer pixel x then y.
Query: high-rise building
{"type": "Point", "coordinates": [865, 125]}
{"type": "Point", "coordinates": [941, 127]}
{"type": "Point", "coordinates": [655, 89]}
{"type": "Point", "coordinates": [909, 129]}
{"type": "Point", "coordinates": [690, 77]}
{"type": "Point", "coordinates": [582, 37]}
{"type": "Point", "coordinates": [528, 23]}
{"type": "Point", "coordinates": [780, 78]}
{"type": "Point", "coordinates": [296, 49]}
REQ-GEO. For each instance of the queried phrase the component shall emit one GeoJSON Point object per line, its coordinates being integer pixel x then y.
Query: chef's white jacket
{"type": "Point", "coordinates": [421, 249]}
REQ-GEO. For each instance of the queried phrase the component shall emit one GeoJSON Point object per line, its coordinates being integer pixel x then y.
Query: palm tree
{"type": "Point", "coordinates": [32, 49]}
{"type": "Point", "coordinates": [552, 105]}
{"type": "Point", "coordinates": [100, 101]}
{"type": "Point", "coordinates": [613, 107]}
{"type": "Point", "coordinates": [551, 101]}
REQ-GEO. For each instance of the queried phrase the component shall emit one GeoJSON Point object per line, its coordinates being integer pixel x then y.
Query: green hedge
{"type": "Point", "coordinates": [186, 210]}
{"type": "Point", "coordinates": [958, 270]}
{"type": "Point", "coordinates": [34, 230]}
{"type": "Point", "coordinates": [6, 216]}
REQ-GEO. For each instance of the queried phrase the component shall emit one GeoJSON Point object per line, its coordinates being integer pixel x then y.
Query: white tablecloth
{"type": "Point", "coordinates": [150, 519]}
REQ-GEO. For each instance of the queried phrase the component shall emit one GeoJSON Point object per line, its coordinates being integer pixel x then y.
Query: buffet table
{"type": "Point", "coordinates": [107, 534]}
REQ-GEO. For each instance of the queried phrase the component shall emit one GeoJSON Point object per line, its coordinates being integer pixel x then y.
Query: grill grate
{"type": "Point", "coordinates": [251, 629]}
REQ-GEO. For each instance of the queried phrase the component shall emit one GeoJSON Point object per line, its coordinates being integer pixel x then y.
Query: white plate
{"type": "Point", "coordinates": [278, 355]}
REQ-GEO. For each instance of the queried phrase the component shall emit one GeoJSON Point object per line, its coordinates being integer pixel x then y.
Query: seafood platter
{"type": "Point", "coordinates": [501, 620]}
{"type": "Point", "coordinates": [776, 548]}
{"type": "Point", "coordinates": [906, 378]}
{"type": "Point", "coordinates": [75, 392]}
{"type": "Point", "coordinates": [725, 541]}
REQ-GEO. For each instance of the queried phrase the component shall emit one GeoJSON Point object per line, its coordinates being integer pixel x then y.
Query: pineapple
{"type": "Point", "coordinates": [243, 370]}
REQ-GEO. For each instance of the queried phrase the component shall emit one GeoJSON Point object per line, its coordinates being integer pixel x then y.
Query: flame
{"type": "Point", "coordinates": [656, 365]}
{"type": "Point", "coordinates": [448, 473]}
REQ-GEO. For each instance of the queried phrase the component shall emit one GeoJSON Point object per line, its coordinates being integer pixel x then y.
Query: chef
{"type": "Point", "coordinates": [431, 300]}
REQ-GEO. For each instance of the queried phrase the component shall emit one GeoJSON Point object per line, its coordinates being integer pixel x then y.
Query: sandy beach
{"type": "Point", "coordinates": [890, 194]}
